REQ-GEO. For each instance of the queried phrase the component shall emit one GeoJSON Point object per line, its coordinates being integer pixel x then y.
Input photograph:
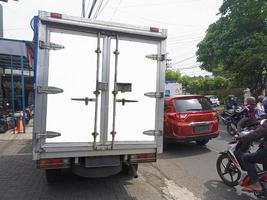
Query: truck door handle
{"type": "Point", "coordinates": [123, 101]}
{"type": "Point", "coordinates": [86, 100]}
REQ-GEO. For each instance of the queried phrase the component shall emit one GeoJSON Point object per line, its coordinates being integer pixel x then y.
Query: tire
{"type": "Point", "coordinates": [202, 142]}
{"type": "Point", "coordinates": [231, 129]}
{"type": "Point", "coordinates": [53, 175]}
{"type": "Point", "coordinates": [3, 127]}
{"type": "Point", "coordinates": [229, 169]}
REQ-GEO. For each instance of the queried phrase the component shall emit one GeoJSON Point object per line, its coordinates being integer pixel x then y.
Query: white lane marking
{"type": "Point", "coordinates": [173, 192]}
{"type": "Point", "coordinates": [212, 149]}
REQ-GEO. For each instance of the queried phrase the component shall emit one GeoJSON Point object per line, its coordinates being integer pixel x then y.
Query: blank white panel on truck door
{"type": "Point", "coordinates": [133, 118]}
{"type": "Point", "coordinates": [72, 69]}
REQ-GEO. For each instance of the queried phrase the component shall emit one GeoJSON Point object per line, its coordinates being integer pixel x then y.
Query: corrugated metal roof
{"type": "Point", "coordinates": [12, 51]}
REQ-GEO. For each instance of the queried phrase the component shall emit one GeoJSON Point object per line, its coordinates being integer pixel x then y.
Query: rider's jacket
{"type": "Point", "coordinates": [260, 132]}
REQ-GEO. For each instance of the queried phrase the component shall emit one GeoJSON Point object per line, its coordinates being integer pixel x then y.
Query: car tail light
{"type": "Point", "coordinates": [142, 158]}
{"type": "Point", "coordinates": [215, 115]}
{"type": "Point", "coordinates": [154, 29]}
{"type": "Point", "coordinates": [181, 116]}
{"type": "Point", "coordinates": [53, 163]}
{"type": "Point", "coordinates": [56, 15]}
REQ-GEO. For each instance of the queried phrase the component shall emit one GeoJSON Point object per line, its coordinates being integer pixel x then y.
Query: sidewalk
{"type": "Point", "coordinates": [16, 144]}
{"type": "Point", "coordinates": [9, 135]}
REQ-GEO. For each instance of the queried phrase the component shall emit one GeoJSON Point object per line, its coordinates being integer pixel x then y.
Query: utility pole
{"type": "Point", "coordinates": [83, 8]}
{"type": "Point", "coordinates": [168, 63]}
{"type": "Point", "coordinates": [1, 22]}
{"type": "Point", "coordinates": [1, 36]}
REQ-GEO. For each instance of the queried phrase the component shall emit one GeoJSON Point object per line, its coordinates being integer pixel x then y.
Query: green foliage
{"type": "Point", "coordinates": [196, 84]}
{"type": "Point", "coordinates": [236, 45]}
{"type": "Point", "coordinates": [172, 75]}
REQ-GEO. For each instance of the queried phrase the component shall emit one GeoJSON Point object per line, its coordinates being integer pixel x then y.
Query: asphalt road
{"type": "Point", "coordinates": [194, 167]}
{"type": "Point", "coordinates": [183, 171]}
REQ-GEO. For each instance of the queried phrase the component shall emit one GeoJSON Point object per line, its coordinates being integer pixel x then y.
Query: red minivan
{"type": "Point", "coordinates": [189, 118]}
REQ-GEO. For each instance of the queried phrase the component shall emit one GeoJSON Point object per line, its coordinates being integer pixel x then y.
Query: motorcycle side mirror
{"type": "Point", "coordinates": [262, 121]}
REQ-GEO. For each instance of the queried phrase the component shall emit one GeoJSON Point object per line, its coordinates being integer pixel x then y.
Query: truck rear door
{"type": "Point", "coordinates": [98, 87]}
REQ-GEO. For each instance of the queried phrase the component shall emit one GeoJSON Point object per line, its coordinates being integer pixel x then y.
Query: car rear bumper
{"type": "Point", "coordinates": [195, 137]}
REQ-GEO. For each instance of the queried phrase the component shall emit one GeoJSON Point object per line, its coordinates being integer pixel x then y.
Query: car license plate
{"type": "Point", "coordinates": [201, 129]}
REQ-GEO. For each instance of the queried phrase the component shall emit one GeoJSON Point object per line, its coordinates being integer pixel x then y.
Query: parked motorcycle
{"type": "Point", "coordinates": [6, 119]}
{"type": "Point", "coordinates": [231, 171]}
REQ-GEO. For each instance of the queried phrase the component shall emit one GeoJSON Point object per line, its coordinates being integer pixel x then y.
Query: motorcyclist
{"type": "Point", "coordinates": [252, 113]}
{"type": "Point", "coordinates": [260, 156]}
{"type": "Point", "coordinates": [260, 105]}
{"type": "Point", "coordinates": [232, 101]}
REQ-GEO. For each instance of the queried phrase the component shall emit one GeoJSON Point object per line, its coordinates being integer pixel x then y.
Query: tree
{"type": "Point", "coordinates": [235, 46]}
{"type": "Point", "coordinates": [172, 75]}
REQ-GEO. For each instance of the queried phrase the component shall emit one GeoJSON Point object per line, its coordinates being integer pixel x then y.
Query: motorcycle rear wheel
{"type": "Point", "coordinates": [227, 171]}
{"type": "Point", "coordinates": [231, 127]}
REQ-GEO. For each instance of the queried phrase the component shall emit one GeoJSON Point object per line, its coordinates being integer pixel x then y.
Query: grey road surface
{"type": "Point", "coordinates": [183, 171]}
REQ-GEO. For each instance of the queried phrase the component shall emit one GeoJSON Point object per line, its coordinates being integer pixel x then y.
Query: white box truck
{"type": "Point", "coordinates": [99, 89]}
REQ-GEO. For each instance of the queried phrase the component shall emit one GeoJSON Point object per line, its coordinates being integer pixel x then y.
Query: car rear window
{"type": "Point", "coordinates": [192, 104]}
{"type": "Point", "coordinates": [214, 97]}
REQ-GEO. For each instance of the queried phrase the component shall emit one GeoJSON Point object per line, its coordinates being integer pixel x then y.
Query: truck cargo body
{"type": "Point", "coordinates": [99, 89]}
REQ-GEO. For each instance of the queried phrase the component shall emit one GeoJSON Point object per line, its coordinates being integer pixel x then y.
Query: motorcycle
{"type": "Point", "coordinates": [230, 169]}
{"type": "Point", "coordinates": [230, 118]}
{"type": "Point", "coordinates": [7, 121]}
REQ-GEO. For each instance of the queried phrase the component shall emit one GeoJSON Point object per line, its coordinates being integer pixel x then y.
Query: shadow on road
{"type": "Point", "coordinates": [180, 150]}
{"type": "Point", "coordinates": [19, 179]}
{"type": "Point", "coordinates": [219, 191]}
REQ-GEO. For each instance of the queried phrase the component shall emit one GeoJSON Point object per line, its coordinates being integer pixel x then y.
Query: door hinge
{"type": "Point", "coordinates": [48, 90]}
{"type": "Point", "coordinates": [154, 94]}
{"type": "Point", "coordinates": [50, 45]}
{"type": "Point", "coordinates": [158, 57]}
{"type": "Point", "coordinates": [153, 132]}
{"type": "Point", "coordinates": [48, 134]}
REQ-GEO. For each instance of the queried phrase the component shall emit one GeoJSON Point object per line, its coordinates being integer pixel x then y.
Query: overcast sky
{"type": "Point", "coordinates": [186, 21]}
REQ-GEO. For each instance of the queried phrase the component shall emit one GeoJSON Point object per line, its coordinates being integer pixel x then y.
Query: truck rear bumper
{"type": "Point", "coordinates": [70, 150]}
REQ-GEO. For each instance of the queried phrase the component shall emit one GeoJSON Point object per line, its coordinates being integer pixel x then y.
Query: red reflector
{"type": "Point", "coordinates": [147, 157]}
{"type": "Point", "coordinates": [56, 15]}
{"type": "Point", "coordinates": [53, 163]}
{"type": "Point", "coordinates": [56, 161]}
{"type": "Point", "coordinates": [154, 29]}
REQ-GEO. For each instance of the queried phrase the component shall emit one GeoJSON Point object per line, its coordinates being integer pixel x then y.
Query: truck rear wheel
{"type": "Point", "coordinates": [130, 170]}
{"type": "Point", "coordinates": [53, 175]}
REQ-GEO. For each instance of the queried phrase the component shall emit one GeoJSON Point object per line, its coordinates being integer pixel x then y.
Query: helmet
{"type": "Point", "coordinates": [251, 100]}
{"type": "Point", "coordinates": [260, 98]}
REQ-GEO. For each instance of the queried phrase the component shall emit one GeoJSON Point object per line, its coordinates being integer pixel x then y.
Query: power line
{"type": "Point", "coordinates": [184, 41]}
{"type": "Point", "coordinates": [102, 8]}
{"type": "Point", "coordinates": [188, 67]}
{"type": "Point", "coordinates": [183, 60]}
{"type": "Point", "coordinates": [116, 9]}
{"type": "Point", "coordinates": [160, 4]}
{"type": "Point", "coordinates": [87, 7]}
{"type": "Point", "coordinates": [98, 8]}
{"type": "Point", "coordinates": [160, 22]}
{"type": "Point", "coordinates": [92, 8]}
